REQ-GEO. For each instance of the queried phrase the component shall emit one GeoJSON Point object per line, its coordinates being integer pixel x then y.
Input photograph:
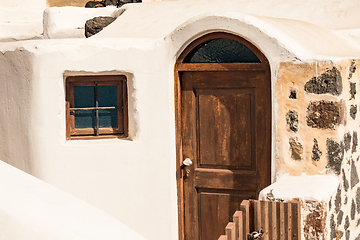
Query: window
{"type": "Point", "coordinates": [222, 50]}
{"type": "Point", "coordinates": [96, 107]}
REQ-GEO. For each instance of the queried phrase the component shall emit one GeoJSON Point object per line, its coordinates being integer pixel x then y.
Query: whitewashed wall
{"type": "Point", "coordinates": [131, 179]}
{"type": "Point", "coordinates": [34, 210]}
{"type": "Point", "coordinates": [23, 4]}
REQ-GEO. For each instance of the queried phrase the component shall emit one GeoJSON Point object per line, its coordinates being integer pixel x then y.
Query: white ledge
{"type": "Point", "coordinates": [305, 187]}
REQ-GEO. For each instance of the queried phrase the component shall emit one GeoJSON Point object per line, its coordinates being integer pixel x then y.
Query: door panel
{"type": "Point", "coordinates": [213, 205]}
{"type": "Point", "coordinates": [225, 128]}
{"type": "Point", "coordinates": [226, 132]}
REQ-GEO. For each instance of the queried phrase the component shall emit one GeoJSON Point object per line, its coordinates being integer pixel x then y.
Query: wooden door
{"type": "Point", "coordinates": [226, 133]}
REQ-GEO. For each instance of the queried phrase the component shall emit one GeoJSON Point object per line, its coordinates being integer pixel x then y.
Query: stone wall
{"type": "Point", "coordinates": [344, 207]}
{"type": "Point", "coordinates": [317, 105]}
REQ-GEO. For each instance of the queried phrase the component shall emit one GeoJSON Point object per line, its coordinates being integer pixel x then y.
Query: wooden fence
{"type": "Point", "coordinates": [265, 220]}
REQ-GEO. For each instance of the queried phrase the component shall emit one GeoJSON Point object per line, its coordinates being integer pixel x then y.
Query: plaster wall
{"type": "Point", "coordinates": [35, 210]}
{"type": "Point", "coordinates": [69, 22]}
{"type": "Point", "coordinates": [132, 179]}
{"type": "Point", "coordinates": [23, 4]}
{"type": "Point", "coordinates": [16, 89]}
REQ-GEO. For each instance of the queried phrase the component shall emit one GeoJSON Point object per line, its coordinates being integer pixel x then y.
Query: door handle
{"type": "Point", "coordinates": [186, 164]}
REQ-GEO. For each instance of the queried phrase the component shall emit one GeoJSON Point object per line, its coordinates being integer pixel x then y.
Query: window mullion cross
{"type": "Point", "coordinates": [96, 110]}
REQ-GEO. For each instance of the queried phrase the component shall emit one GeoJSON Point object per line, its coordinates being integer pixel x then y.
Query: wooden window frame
{"type": "Point", "coordinates": [122, 110]}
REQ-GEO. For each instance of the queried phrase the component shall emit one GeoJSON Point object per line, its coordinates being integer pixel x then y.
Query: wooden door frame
{"type": "Point", "coordinates": [182, 67]}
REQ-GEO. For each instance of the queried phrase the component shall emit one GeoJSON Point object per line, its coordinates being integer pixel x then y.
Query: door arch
{"type": "Point", "coordinates": [223, 126]}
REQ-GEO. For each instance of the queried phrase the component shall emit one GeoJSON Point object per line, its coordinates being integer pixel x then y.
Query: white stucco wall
{"type": "Point", "coordinates": [34, 210]}
{"type": "Point", "coordinates": [69, 22]}
{"type": "Point", "coordinates": [131, 179]}
{"type": "Point", "coordinates": [23, 4]}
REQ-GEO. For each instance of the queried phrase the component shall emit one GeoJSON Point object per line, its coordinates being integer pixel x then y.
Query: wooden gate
{"type": "Point", "coordinates": [264, 220]}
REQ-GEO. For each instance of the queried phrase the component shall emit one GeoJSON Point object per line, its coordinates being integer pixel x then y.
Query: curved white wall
{"type": "Point", "coordinates": [33, 210]}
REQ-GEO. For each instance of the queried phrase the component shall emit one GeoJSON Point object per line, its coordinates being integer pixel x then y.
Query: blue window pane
{"type": "Point", "coordinates": [108, 118]}
{"type": "Point", "coordinates": [107, 96]}
{"type": "Point", "coordinates": [84, 118]}
{"type": "Point", "coordinates": [84, 96]}
{"type": "Point", "coordinates": [222, 50]}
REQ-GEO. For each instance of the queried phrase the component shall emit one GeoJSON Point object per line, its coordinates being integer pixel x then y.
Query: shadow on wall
{"type": "Point", "coordinates": [16, 109]}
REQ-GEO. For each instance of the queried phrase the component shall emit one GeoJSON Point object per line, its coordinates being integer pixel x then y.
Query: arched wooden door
{"type": "Point", "coordinates": [223, 116]}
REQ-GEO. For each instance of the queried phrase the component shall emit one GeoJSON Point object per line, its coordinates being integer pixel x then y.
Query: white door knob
{"type": "Point", "coordinates": [187, 162]}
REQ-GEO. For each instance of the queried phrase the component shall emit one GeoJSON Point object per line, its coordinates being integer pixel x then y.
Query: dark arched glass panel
{"type": "Point", "coordinates": [222, 50]}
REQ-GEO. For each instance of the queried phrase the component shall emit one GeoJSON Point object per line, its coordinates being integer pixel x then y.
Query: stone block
{"type": "Point", "coordinates": [323, 114]}
{"type": "Point", "coordinates": [332, 227]}
{"type": "Point", "coordinates": [314, 220]}
{"type": "Point", "coordinates": [355, 142]}
{"type": "Point", "coordinates": [354, 177]}
{"type": "Point", "coordinates": [296, 149]}
{"type": "Point", "coordinates": [316, 153]}
{"type": "Point", "coordinates": [352, 210]}
{"type": "Point", "coordinates": [353, 111]}
{"type": "Point", "coordinates": [347, 222]}
{"type": "Point", "coordinates": [328, 82]}
{"type": "Point", "coordinates": [293, 94]}
{"type": "Point", "coordinates": [335, 155]}
{"type": "Point", "coordinates": [347, 141]}
{"type": "Point", "coordinates": [292, 120]}
{"type": "Point", "coordinates": [357, 199]}
{"type": "Point", "coordinates": [96, 24]}
{"type": "Point", "coordinates": [340, 217]}
{"type": "Point", "coordinates": [345, 181]}
{"type": "Point", "coordinates": [337, 202]}
{"type": "Point", "coordinates": [352, 90]}
{"type": "Point", "coordinates": [352, 68]}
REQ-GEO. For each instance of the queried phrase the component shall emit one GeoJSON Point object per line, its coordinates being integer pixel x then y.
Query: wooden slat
{"type": "Point", "coordinates": [289, 221]}
{"type": "Point", "coordinates": [278, 220]}
{"type": "Point", "coordinates": [296, 225]}
{"type": "Point", "coordinates": [245, 209]}
{"type": "Point", "coordinates": [238, 221]}
{"type": "Point", "coordinates": [274, 227]}
{"type": "Point", "coordinates": [282, 222]}
{"type": "Point", "coordinates": [257, 215]}
{"type": "Point", "coordinates": [265, 219]}
{"type": "Point", "coordinates": [222, 237]}
{"type": "Point", "coordinates": [230, 231]}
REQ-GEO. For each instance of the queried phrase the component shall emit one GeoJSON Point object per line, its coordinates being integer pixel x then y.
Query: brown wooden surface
{"type": "Point", "coordinates": [226, 133]}
{"type": "Point", "coordinates": [276, 220]}
{"type": "Point", "coordinates": [282, 222]}
{"type": "Point", "coordinates": [225, 129]}
{"type": "Point", "coordinates": [230, 231]}
{"type": "Point", "coordinates": [245, 209]}
{"type": "Point", "coordinates": [238, 221]}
